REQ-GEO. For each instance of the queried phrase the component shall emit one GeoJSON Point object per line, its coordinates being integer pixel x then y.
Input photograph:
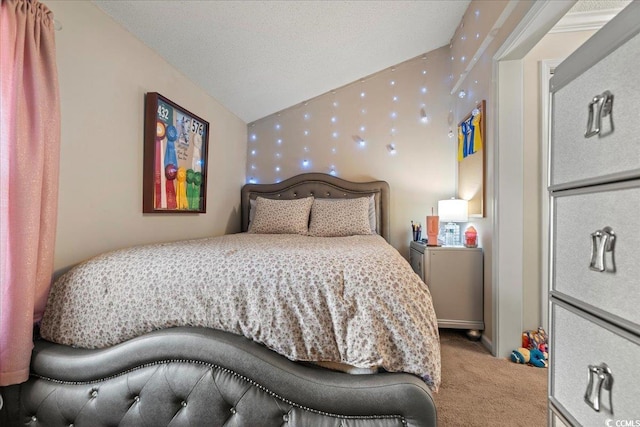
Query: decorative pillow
{"type": "Point", "coordinates": [340, 217]}
{"type": "Point", "coordinates": [252, 210]}
{"type": "Point", "coordinates": [281, 216]}
{"type": "Point", "coordinates": [372, 214]}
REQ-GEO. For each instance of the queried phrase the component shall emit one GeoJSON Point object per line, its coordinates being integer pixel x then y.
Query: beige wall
{"type": "Point", "coordinates": [555, 46]}
{"type": "Point", "coordinates": [476, 78]}
{"type": "Point", "coordinates": [421, 172]}
{"type": "Point", "coordinates": [104, 73]}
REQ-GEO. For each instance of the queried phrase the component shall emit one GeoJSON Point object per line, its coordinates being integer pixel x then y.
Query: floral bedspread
{"type": "Point", "coordinates": [351, 300]}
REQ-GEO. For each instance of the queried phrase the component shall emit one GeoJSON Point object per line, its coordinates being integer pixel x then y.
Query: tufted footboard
{"type": "Point", "coordinates": [203, 377]}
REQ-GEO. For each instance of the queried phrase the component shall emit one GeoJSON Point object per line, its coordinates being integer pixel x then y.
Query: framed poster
{"type": "Point", "coordinates": [175, 158]}
{"type": "Point", "coordinates": [471, 159]}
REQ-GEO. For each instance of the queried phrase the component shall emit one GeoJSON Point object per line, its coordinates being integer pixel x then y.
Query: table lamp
{"type": "Point", "coordinates": [452, 211]}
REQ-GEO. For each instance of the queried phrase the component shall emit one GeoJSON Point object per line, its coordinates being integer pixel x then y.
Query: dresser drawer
{"type": "Point", "coordinates": [574, 157]}
{"type": "Point", "coordinates": [579, 341]}
{"type": "Point", "coordinates": [578, 214]}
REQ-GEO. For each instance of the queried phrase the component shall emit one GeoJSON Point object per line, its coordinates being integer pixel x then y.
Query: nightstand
{"type": "Point", "coordinates": [454, 276]}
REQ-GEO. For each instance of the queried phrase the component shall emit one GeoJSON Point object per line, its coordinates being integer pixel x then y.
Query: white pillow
{"type": "Point", "coordinates": [281, 216]}
{"type": "Point", "coordinates": [340, 217]}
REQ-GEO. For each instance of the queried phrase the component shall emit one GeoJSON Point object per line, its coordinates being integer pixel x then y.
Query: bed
{"type": "Point", "coordinates": [285, 348]}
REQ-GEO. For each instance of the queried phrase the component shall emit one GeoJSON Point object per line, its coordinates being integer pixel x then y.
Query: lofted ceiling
{"type": "Point", "coordinates": [257, 57]}
{"type": "Point", "coordinates": [260, 57]}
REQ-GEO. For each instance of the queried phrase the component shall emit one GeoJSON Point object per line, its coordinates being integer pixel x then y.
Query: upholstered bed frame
{"type": "Point", "coordinates": [321, 185]}
{"type": "Point", "coordinates": [203, 377]}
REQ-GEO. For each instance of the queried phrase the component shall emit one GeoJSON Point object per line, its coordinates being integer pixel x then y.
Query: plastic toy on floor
{"type": "Point", "coordinates": [533, 339]}
{"type": "Point", "coordinates": [521, 355]}
{"type": "Point", "coordinates": [532, 357]}
{"type": "Point", "coordinates": [538, 358]}
{"type": "Point", "coordinates": [534, 350]}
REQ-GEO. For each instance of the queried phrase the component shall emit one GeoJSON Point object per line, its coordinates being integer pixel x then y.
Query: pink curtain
{"type": "Point", "coordinates": [29, 159]}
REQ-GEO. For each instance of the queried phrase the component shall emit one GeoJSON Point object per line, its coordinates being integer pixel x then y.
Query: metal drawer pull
{"type": "Point", "coordinates": [603, 378]}
{"type": "Point", "coordinates": [601, 106]}
{"type": "Point", "coordinates": [602, 241]}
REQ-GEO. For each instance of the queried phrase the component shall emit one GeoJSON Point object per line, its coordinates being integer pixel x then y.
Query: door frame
{"type": "Point", "coordinates": [508, 226]}
{"type": "Point", "coordinates": [546, 71]}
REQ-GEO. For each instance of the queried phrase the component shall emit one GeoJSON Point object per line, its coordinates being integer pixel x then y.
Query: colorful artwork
{"type": "Point", "coordinates": [471, 160]}
{"type": "Point", "coordinates": [175, 158]}
{"type": "Point", "coordinates": [470, 135]}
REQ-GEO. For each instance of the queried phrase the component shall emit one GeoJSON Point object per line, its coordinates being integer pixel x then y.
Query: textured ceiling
{"type": "Point", "coordinates": [259, 57]}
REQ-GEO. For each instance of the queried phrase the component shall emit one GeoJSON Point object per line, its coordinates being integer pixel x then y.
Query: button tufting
{"type": "Point", "coordinates": [295, 194]}
{"type": "Point", "coordinates": [184, 404]}
{"type": "Point", "coordinates": [94, 393]}
{"type": "Point", "coordinates": [34, 418]}
{"type": "Point", "coordinates": [136, 398]}
{"type": "Point", "coordinates": [71, 425]}
{"type": "Point", "coordinates": [285, 417]}
{"type": "Point", "coordinates": [328, 194]}
{"type": "Point", "coordinates": [232, 410]}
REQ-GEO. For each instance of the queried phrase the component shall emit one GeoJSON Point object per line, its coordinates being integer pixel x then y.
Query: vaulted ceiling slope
{"type": "Point", "coordinates": [260, 57]}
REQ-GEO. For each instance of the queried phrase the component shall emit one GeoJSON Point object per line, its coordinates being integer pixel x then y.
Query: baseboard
{"type": "Point", "coordinates": [487, 343]}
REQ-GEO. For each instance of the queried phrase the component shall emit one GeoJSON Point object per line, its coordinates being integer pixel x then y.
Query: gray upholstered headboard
{"type": "Point", "coordinates": [321, 185]}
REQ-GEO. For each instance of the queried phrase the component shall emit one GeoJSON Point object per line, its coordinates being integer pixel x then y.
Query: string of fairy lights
{"type": "Point", "coordinates": [307, 142]}
{"type": "Point", "coordinates": [336, 136]}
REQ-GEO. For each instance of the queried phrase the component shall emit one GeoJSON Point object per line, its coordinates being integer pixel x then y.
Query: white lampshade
{"type": "Point", "coordinates": [453, 210]}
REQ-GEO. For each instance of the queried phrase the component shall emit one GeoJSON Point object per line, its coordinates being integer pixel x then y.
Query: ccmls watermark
{"type": "Point", "coordinates": [622, 423]}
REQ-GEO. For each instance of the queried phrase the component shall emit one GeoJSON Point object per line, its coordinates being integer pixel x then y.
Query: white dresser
{"type": "Point", "coordinates": [594, 302]}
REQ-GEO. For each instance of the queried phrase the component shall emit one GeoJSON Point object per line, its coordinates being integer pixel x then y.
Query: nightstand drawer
{"type": "Point", "coordinates": [595, 257]}
{"type": "Point", "coordinates": [415, 259]}
{"type": "Point", "coordinates": [580, 344]}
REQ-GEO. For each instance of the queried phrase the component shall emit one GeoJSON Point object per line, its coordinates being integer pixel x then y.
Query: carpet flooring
{"type": "Point", "coordinates": [481, 390]}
